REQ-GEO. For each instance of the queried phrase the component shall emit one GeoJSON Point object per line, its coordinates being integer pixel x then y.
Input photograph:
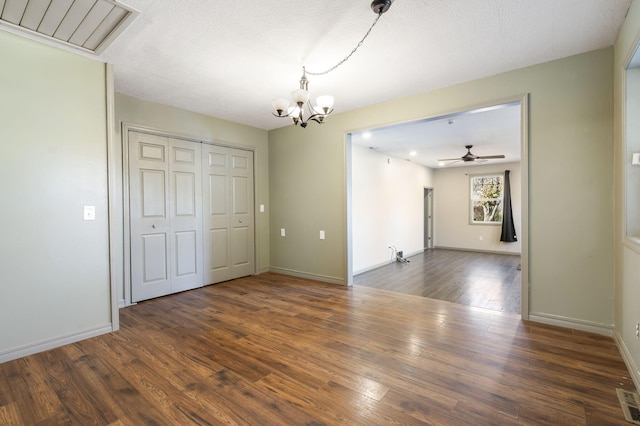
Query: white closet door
{"type": "Point", "coordinates": [165, 215]}
{"type": "Point", "coordinates": [185, 211]}
{"type": "Point", "coordinates": [242, 210]}
{"type": "Point", "coordinates": [149, 216]}
{"type": "Point", "coordinates": [229, 245]}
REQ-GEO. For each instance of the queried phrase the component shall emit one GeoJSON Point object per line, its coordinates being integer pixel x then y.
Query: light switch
{"type": "Point", "coordinates": [89, 212]}
{"type": "Point", "coordinates": [261, 208]}
{"type": "Point", "coordinates": [322, 235]}
{"type": "Point", "coordinates": [282, 232]}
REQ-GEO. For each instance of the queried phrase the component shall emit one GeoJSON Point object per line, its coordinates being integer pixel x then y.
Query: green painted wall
{"type": "Point", "coordinates": [570, 182]}
{"type": "Point", "coordinates": [54, 266]}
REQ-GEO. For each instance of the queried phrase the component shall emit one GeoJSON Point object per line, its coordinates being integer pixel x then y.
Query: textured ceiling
{"type": "Point", "coordinates": [230, 59]}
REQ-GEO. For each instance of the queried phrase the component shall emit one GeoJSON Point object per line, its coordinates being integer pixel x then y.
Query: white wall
{"type": "Point", "coordinates": [54, 266]}
{"type": "Point", "coordinates": [451, 215]}
{"type": "Point", "coordinates": [388, 207]}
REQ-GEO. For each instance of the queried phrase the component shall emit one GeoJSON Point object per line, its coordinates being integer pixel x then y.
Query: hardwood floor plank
{"type": "Point", "coordinates": [274, 350]}
{"type": "Point", "coordinates": [9, 414]}
{"type": "Point", "coordinates": [31, 391]}
{"type": "Point", "coordinates": [81, 403]}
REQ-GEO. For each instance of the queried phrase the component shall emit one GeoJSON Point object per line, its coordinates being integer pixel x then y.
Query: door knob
{"type": "Point", "coordinates": [153, 226]}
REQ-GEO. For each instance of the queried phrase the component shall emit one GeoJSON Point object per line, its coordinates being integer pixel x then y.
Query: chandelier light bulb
{"type": "Point", "coordinates": [294, 111]}
{"type": "Point", "coordinates": [280, 105]}
{"type": "Point", "coordinates": [325, 102]}
{"type": "Point", "coordinates": [300, 96]}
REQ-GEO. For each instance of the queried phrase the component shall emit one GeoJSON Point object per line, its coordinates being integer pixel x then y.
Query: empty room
{"type": "Point", "coordinates": [225, 184]}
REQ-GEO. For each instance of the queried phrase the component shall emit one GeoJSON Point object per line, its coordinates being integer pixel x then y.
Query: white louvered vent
{"type": "Point", "coordinates": [88, 25]}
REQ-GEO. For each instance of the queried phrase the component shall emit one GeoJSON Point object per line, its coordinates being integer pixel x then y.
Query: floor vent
{"type": "Point", "coordinates": [87, 25]}
{"type": "Point", "coordinates": [630, 403]}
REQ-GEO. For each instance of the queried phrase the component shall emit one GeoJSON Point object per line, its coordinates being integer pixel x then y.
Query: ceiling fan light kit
{"type": "Point", "coordinates": [324, 103]}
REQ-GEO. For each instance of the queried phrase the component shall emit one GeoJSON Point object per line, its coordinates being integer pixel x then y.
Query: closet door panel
{"type": "Point", "coordinates": [185, 168]}
{"type": "Point", "coordinates": [149, 216]}
{"type": "Point", "coordinates": [229, 216]}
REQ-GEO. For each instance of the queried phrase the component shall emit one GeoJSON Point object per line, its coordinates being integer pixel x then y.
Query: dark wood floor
{"type": "Point", "coordinates": [485, 280]}
{"type": "Point", "coordinates": [277, 350]}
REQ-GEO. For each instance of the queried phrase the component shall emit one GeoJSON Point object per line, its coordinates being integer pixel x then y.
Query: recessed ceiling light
{"type": "Point", "coordinates": [413, 153]}
{"type": "Point", "coordinates": [366, 135]}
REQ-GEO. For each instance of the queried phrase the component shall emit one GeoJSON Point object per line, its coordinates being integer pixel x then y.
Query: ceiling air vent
{"type": "Point", "coordinates": [88, 25]}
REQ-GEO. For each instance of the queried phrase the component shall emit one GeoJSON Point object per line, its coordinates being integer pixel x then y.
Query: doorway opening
{"type": "Point", "coordinates": [392, 208]}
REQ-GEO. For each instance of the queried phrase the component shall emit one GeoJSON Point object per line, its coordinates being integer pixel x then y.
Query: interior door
{"type": "Point", "coordinates": [165, 215]}
{"type": "Point", "coordinates": [149, 216]}
{"type": "Point", "coordinates": [229, 246]}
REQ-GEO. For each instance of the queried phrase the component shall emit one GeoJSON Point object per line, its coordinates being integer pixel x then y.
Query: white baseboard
{"type": "Point", "coordinates": [478, 250]}
{"type": "Point", "coordinates": [306, 275]}
{"type": "Point", "coordinates": [572, 323]}
{"type": "Point", "coordinates": [45, 345]}
{"type": "Point", "coordinates": [121, 303]}
{"type": "Point", "coordinates": [371, 268]}
{"type": "Point", "coordinates": [380, 265]}
{"type": "Point", "coordinates": [628, 359]}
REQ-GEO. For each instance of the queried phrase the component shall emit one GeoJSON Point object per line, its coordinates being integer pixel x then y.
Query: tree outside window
{"type": "Point", "coordinates": [486, 199]}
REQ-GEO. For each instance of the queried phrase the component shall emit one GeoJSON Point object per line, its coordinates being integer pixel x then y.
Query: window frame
{"type": "Point", "coordinates": [472, 177]}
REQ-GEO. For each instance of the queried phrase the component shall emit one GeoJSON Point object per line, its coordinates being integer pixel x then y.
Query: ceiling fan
{"type": "Point", "coordinates": [469, 157]}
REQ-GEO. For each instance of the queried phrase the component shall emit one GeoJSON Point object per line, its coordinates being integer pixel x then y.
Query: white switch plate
{"type": "Point", "coordinates": [322, 235]}
{"type": "Point", "coordinates": [89, 212]}
{"type": "Point", "coordinates": [261, 208]}
{"type": "Point", "coordinates": [282, 232]}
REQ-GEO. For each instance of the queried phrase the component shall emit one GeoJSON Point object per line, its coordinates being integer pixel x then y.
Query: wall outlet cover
{"type": "Point", "coordinates": [89, 212]}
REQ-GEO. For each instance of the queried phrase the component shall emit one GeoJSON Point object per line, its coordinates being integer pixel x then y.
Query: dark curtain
{"type": "Point", "coordinates": [508, 229]}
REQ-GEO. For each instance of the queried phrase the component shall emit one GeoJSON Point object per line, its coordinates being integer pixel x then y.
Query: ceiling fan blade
{"type": "Point", "coordinates": [489, 157]}
{"type": "Point", "coordinates": [449, 161]}
{"type": "Point", "coordinates": [470, 158]}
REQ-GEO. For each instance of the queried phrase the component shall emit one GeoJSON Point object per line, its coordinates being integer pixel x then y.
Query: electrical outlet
{"type": "Point", "coordinates": [282, 232]}
{"type": "Point", "coordinates": [89, 212]}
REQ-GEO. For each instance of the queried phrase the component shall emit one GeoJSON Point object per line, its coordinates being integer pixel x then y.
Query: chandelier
{"type": "Point", "coordinates": [324, 103]}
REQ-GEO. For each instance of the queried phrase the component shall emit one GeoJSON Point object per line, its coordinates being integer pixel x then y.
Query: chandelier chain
{"type": "Point", "coordinates": [346, 58]}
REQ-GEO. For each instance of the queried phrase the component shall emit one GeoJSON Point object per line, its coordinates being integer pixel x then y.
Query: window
{"type": "Point", "coordinates": [632, 170]}
{"type": "Point", "coordinates": [486, 199]}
